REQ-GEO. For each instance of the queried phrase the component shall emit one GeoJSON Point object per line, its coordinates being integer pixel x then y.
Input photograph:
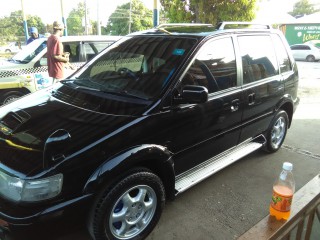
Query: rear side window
{"type": "Point", "coordinates": [258, 58]}
{"type": "Point", "coordinates": [300, 47]}
{"type": "Point", "coordinates": [282, 55]}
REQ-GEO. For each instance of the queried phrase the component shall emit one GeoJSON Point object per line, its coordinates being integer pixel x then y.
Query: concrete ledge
{"type": "Point", "coordinates": [304, 201]}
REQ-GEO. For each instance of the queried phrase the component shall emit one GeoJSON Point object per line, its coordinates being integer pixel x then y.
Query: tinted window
{"type": "Point", "coordinates": [214, 66]}
{"type": "Point", "coordinates": [258, 58]}
{"type": "Point", "coordinates": [300, 47]}
{"type": "Point", "coordinates": [283, 58]}
{"type": "Point", "coordinates": [138, 66]}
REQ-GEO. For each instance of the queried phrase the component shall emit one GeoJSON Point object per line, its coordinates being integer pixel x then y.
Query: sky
{"type": "Point", "coordinates": [50, 10]}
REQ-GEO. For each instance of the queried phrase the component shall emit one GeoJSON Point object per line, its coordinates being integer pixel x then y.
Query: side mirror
{"type": "Point", "coordinates": [193, 94]}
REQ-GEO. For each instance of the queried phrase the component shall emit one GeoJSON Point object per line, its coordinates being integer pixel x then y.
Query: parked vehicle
{"type": "Point", "coordinates": [305, 52]}
{"type": "Point", "coordinates": [149, 117]}
{"type": "Point", "coordinates": [27, 71]}
{"type": "Point", "coordinates": [12, 47]}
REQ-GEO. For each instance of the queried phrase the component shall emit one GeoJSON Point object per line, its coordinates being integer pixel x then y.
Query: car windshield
{"type": "Point", "coordinates": [30, 51]}
{"type": "Point", "coordinates": [139, 66]}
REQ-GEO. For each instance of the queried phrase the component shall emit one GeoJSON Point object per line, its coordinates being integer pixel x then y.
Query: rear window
{"type": "Point", "coordinates": [282, 55]}
{"type": "Point", "coordinates": [258, 58]}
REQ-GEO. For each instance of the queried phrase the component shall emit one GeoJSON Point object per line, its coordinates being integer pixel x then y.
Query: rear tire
{"type": "Point", "coordinates": [10, 96]}
{"type": "Point", "coordinates": [311, 58]}
{"type": "Point", "coordinates": [130, 210]}
{"type": "Point", "coordinates": [277, 131]}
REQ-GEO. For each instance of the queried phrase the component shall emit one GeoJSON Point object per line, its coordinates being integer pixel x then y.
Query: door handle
{"type": "Point", "coordinates": [251, 98]}
{"type": "Point", "coordinates": [235, 105]}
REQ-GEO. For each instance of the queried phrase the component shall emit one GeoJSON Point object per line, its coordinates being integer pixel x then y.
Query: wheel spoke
{"type": "Point", "coordinates": [278, 132]}
{"type": "Point", "coordinates": [141, 223]}
{"type": "Point", "coordinates": [141, 195]}
{"type": "Point", "coordinates": [149, 205]}
{"type": "Point", "coordinates": [133, 212]}
{"type": "Point", "coordinates": [127, 200]}
{"type": "Point", "coordinates": [119, 216]}
{"type": "Point", "coordinates": [125, 227]}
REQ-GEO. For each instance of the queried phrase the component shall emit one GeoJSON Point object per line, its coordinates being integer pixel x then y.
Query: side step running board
{"type": "Point", "coordinates": [213, 165]}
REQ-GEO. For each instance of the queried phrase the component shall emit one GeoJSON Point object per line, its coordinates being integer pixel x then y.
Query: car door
{"type": "Point", "coordinates": [262, 84]}
{"type": "Point", "coordinates": [204, 130]}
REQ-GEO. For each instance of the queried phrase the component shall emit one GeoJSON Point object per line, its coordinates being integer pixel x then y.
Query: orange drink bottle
{"type": "Point", "coordinates": [283, 190]}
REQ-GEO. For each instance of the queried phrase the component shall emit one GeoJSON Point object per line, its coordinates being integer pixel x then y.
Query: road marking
{"type": "Point", "coordinates": [301, 151]}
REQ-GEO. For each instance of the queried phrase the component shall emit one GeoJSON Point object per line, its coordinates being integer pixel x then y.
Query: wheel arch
{"type": "Point", "coordinates": [23, 90]}
{"type": "Point", "coordinates": [288, 108]}
{"type": "Point", "coordinates": [155, 158]}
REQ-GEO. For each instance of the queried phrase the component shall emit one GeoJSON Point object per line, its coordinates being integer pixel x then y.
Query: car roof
{"type": "Point", "coordinates": [84, 38]}
{"type": "Point", "coordinates": [203, 30]}
{"type": "Point", "coordinates": [90, 38]}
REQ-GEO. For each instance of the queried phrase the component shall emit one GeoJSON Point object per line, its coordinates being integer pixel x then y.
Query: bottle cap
{"type": "Point", "coordinates": [287, 166]}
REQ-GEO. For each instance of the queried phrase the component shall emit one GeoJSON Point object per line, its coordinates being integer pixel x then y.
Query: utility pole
{"type": "Point", "coordinates": [98, 19]}
{"type": "Point", "coordinates": [130, 16]}
{"type": "Point", "coordinates": [155, 13]}
{"type": "Point", "coordinates": [25, 25]}
{"type": "Point", "coordinates": [85, 18]}
{"type": "Point", "coordinates": [64, 20]}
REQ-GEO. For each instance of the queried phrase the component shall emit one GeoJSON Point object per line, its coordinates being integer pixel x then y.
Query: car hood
{"type": "Point", "coordinates": [5, 64]}
{"type": "Point", "coordinates": [40, 128]}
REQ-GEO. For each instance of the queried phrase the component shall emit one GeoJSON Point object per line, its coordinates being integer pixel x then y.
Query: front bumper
{"type": "Point", "coordinates": [35, 222]}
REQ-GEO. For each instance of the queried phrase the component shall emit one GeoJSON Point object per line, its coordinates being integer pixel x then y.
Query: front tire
{"type": "Point", "coordinates": [130, 210]}
{"type": "Point", "coordinates": [277, 131]}
{"type": "Point", "coordinates": [10, 96]}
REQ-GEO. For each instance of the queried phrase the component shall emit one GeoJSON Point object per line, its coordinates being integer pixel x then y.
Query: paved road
{"type": "Point", "coordinates": [229, 203]}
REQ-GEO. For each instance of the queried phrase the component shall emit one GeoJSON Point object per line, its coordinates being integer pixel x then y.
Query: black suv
{"type": "Point", "coordinates": [149, 117]}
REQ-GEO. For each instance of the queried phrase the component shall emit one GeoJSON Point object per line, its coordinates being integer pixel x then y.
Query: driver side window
{"type": "Point", "coordinates": [214, 67]}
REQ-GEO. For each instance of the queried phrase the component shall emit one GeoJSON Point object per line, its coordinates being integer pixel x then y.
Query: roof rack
{"type": "Point", "coordinates": [183, 25]}
{"type": "Point", "coordinates": [222, 25]}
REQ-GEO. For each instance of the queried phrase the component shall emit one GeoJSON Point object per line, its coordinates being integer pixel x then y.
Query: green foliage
{"type": "Point", "coordinates": [301, 8]}
{"type": "Point", "coordinates": [74, 20]}
{"type": "Point", "coordinates": [208, 11]}
{"type": "Point", "coordinates": [141, 19]}
{"type": "Point", "coordinates": [12, 29]}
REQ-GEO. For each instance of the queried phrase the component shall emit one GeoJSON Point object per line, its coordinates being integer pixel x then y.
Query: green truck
{"type": "Point", "coordinates": [297, 33]}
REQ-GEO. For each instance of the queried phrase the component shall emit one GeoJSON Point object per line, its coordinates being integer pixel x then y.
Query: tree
{"type": "Point", "coordinates": [74, 20]}
{"type": "Point", "coordinates": [12, 27]}
{"type": "Point", "coordinates": [208, 11]}
{"type": "Point", "coordinates": [141, 19]}
{"type": "Point", "coordinates": [303, 7]}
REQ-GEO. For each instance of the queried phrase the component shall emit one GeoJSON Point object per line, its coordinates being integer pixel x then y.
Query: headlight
{"type": "Point", "coordinates": [30, 190]}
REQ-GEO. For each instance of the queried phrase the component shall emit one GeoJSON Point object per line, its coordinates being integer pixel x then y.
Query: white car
{"type": "Point", "coordinates": [12, 47]}
{"type": "Point", "coordinates": [27, 71]}
{"type": "Point", "coordinates": [305, 52]}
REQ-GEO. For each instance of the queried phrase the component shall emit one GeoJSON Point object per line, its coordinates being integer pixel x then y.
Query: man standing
{"type": "Point", "coordinates": [33, 35]}
{"type": "Point", "coordinates": [55, 54]}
